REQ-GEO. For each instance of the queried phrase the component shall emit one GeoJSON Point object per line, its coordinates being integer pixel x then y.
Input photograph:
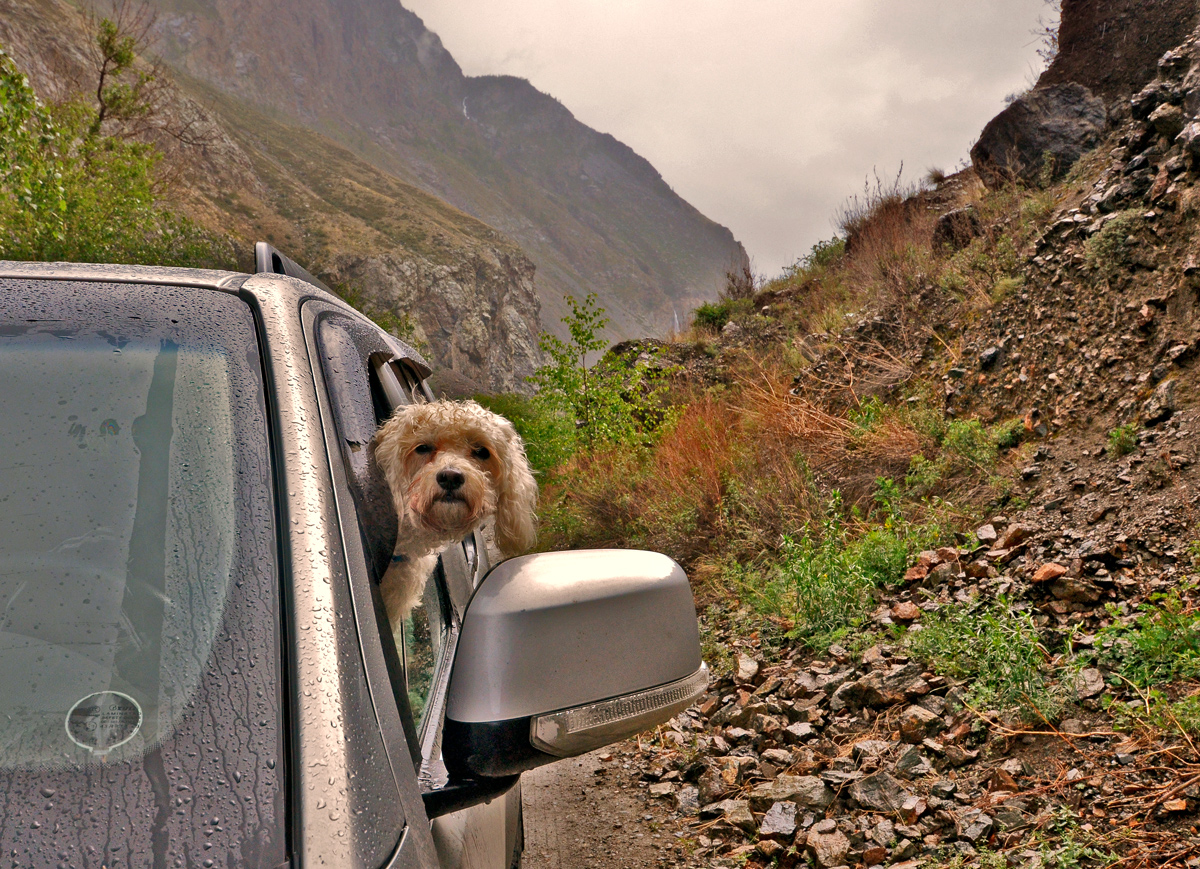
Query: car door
{"type": "Point", "coordinates": [364, 375]}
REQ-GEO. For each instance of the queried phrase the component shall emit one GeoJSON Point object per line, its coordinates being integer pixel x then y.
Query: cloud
{"type": "Point", "coordinates": [764, 114]}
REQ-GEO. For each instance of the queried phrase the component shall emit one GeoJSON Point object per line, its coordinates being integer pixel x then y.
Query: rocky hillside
{"type": "Point", "coordinates": [455, 286]}
{"type": "Point", "coordinates": [589, 212]}
{"type": "Point", "coordinates": [1012, 356]}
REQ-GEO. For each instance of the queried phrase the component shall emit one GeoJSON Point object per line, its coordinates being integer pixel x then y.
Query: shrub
{"type": "Point", "coordinates": [548, 433]}
{"type": "Point", "coordinates": [1122, 440]}
{"type": "Point", "coordinates": [1107, 252]}
{"type": "Point", "coordinates": [70, 192]}
{"type": "Point", "coordinates": [993, 647]}
{"type": "Point", "coordinates": [1162, 643]}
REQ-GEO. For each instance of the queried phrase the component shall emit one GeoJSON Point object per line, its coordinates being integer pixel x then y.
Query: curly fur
{"type": "Point", "coordinates": [424, 448]}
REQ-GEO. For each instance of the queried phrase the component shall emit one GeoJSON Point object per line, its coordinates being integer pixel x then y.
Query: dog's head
{"type": "Point", "coordinates": [452, 465]}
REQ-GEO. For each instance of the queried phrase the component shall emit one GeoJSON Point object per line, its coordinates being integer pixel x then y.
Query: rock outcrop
{"type": "Point", "coordinates": [478, 316]}
{"type": "Point", "coordinates": [1056, 123]}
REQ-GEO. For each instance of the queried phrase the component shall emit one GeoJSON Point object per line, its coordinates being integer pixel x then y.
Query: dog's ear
{"type": "Point", "coordinates": [390, 444]}
{"type": "Point", "coordinates": [516, 500]}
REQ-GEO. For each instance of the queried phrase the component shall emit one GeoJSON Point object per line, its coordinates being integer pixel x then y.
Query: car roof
{"type": "Point", "coordinates": [124, 274]}
{"type": "Point", "coordinates": [200, 278]}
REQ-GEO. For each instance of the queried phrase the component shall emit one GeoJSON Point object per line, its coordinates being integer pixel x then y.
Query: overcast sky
{"type": "Point", "coordinates": [764, 114]}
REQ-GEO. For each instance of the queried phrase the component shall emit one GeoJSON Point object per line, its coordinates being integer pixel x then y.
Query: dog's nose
{"type": "Point", "coordinates": [450, 479]}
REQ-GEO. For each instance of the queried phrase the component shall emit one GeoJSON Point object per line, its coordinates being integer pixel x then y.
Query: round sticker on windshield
{"type": "Point", "coordinates": [102, 721]}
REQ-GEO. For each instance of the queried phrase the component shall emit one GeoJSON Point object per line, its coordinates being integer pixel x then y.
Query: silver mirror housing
{"type": "Point", "coordinates": [563, 652]}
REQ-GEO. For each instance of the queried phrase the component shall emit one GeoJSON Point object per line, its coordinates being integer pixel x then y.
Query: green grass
{"type": "Point", "coordinates": [825, 579]}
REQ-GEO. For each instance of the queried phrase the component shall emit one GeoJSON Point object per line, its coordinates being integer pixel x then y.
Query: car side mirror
{"type": "Point", "coordinates": [564, 652]}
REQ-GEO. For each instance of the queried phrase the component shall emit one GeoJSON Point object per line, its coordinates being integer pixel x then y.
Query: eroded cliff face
{"type": "Point", "coordinates": [467, 289]}
{"type": "Point", "coordinates": [478, 316]}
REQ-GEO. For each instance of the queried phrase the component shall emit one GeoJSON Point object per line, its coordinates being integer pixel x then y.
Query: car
{"type": "Point", "coordinates": [195, 664]}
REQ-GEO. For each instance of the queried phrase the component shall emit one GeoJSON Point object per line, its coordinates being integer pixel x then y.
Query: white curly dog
{"type": "Point", "coordinates": [451, 466]}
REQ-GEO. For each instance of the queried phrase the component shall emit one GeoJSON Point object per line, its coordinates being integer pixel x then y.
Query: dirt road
{"type": "Point", "coordinates": [590, 813]}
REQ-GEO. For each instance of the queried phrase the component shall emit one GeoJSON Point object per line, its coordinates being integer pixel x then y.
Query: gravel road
{"type": "Point", "coordinates": [587, 813]}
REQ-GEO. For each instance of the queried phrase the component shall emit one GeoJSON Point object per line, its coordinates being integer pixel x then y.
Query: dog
{"type": "Point", "coordinates": [450, 466]}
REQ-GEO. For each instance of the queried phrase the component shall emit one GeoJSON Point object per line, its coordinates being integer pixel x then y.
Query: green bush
{"type": "Point", "coordinates": [711, 316]}
{"type": "Point", "coordinates": [1162, 644]}
{"type": "Point", "coordinates": [68, 192]}
{"type": "Point", "coordinates": [994, 648]}
{"type": "Point", "coordinates": [1107, 252]}
{"type": "Point", "coordinates": [548, 433]}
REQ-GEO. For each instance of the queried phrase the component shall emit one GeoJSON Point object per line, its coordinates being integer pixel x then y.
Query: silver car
{"type": "Point", "coordinates": [195, 667]}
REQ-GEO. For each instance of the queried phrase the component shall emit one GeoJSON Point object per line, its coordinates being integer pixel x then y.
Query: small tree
{"type": "Point", "coordinates": [614, 401]}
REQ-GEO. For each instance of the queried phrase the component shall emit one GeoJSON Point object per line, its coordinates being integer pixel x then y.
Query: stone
{"type": "Point", "coordinates": [800, 732]}
{"type": "Point", "coordinates": [977, 829]}
{"type": "Point", "coordinates": [1189, 138]}
{"type": "Point", "coordinates": [687, 800]}
{"type": "Point", "coordinates": [769, 848]}
{"type": "Point", "coordinates": [990, 358]}
{"type": "Point", "coordinates": [956, 755]}
{"type": "Point", "coordinates": [912, 764]}
{"type": "Point", "coordinates": [1075, 589]}
{"type": "Point", "coordinates": [736, 813]}
{"type": "Point", "coordinates": [917, 724]}
{"type": "Point", "coordinates": [1014, 534]}
{"type": "Point", "coordinates": [662, 790]}
{"type": "Point", "coordinates": [986, 534]}
{"type": "Point", "coordinates": [875, 855]}
{"type": "Point", "coordinates": [1047, 572]}
{"type": "Point", "coordinates": [955, 229]}
{"type": "Point", "coordinates": [906, 611]}
{"type": "Point", "coordinates": [807, 791]}
{"type": "Point", "coordinates": [1060, 122]}
{"type": "Point", "coordinates": [1161, 405]}
{"type": "Point", "coordinates": [747, 669]}
{"type": "Point", "coordinates": [779, 822]}
{"type": "Point", "coordinates": [879, 792]}
{"type": "Point", "coordinates": [827, 849]}
{"type": "Point", "coordinates": [1089, 683]}
{"type": "Point", "coordinates": [867, 748]}
{"type": "Point", "coordinates": [912, 809]}
{"type": "Point", "coordinates": [1168, 120]}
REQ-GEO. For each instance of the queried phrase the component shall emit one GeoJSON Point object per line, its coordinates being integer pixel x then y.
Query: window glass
{"type": "Point", "coordinates": [139, 670]}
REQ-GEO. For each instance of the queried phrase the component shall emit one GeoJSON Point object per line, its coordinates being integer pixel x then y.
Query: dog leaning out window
{"type": "Point", "coordinates": [450, 466]}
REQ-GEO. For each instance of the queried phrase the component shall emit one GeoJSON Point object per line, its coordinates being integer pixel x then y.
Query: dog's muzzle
{"type": "Point", "coordinates": [450, 480]}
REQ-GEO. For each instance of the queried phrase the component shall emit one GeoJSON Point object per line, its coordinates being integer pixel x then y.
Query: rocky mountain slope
{"type": "Point", "coordinates": [457, 287]}
{"type": "Point", "coordinates": [1062, 311]}
{"type": "Point", "coordinates": [589, 212]}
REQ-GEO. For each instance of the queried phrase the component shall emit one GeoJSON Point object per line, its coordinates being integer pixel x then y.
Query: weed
{"type": "Point", "coordinates": [1122, 440]}
{"type": "Point", "coordinates": [994, 647]}
{"type": "Point", "coordinates": [1107, 252]}
{"type": "Point", "coordinates": [1160, 645]}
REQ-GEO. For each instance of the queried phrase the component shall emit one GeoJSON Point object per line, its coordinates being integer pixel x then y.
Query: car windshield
{"type": "Point", "coordinates": [139, 680]}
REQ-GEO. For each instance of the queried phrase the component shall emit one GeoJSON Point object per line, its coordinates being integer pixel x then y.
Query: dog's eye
{"type": "Point", "coordinates": [424, 449]}
{"type": "Point", "coordinates": [481, 453]}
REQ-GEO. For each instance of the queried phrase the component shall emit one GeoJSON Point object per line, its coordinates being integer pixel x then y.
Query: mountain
{"type": "Point", "coordinates": [589, 212]}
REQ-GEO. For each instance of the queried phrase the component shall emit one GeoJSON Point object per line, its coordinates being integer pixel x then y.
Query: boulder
{"type": "Point", "coordinates": [803, 790]}
{"type": "Point", "coordinates": [1058, 122]}
{"type": "Point", "coordinates": [827, 845]}
{"type": "Point", "coordinates": [955, 229]}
